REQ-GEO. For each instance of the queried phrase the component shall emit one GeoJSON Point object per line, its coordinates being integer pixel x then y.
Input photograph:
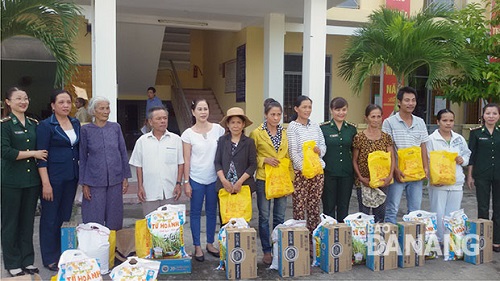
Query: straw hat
{"type": "Point", "coordinates": [235, 111]}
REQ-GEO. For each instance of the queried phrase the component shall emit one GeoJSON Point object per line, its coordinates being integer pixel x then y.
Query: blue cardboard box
{"type": "Point", "coordinates": [68, 236]}
{"type": "Point", "coordinates": [411, 243]}
{"type": "Point", "coordinates": [336, 248]}
{"type": "Point", "coordinates": [382, 246]}
{"type": "Point", "coordinates": [175, 266]}
{"type": "Point", "coordinates": [479, 243]}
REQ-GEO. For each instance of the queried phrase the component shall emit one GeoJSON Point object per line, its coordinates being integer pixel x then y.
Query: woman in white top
{"type": "Point", "coordinates": [307, 195]}
{"type": "Point", "coordinates": [199, 146]}
{"type": "Point", "coordinates": [446, 199]}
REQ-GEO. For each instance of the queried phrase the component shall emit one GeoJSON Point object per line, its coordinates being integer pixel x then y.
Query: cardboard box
{"type": "Point", "coordinates": [241, 257]}
{"type": "Point", "coordinates": [336, 248]}
{"type": "Point", "coordinates": [479, 241]}
{"type": "Point", "coordinates": [68, 236]}
{"type": "Point", "coordinates": [175, 266]}
{"type": "Point", "coordinates": [411, 239]}
{"type": "Point", "coordinates": [383, 246]}
{"type": "Point", "coordinates": [293, 252]}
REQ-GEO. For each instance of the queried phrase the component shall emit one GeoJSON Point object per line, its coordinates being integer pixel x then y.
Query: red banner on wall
{"type": "Point", "coordinates": [390, 83]}
{"type": "Point", "coordinates": [402, 5]}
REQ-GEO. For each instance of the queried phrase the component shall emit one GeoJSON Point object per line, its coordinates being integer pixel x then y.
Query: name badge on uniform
{"type": "Point", "coordinates": [18, 132]}
{"type": "Point", "coordinates": [483, 138]}
{"type": "Point", "coordinates": [334, 136]}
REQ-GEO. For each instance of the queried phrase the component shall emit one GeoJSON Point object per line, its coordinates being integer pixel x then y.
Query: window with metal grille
{"type": "Point", "coordinates": [292, 87]}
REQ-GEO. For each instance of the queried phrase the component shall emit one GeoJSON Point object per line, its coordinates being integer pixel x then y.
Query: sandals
{"type": "Point", "coordinates": [52, 267]}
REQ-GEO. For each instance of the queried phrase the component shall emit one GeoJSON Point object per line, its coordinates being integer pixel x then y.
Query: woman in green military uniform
{"type": "Point", "coordinates": [484, 168]}
{"type": "Point", "coordinates": [20, 184]}
{"type": "Point", "coordinates": [339, 174]}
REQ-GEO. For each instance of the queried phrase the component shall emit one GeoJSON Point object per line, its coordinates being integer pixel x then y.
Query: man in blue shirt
{"type": "Point", "coordinates": [152, 101]}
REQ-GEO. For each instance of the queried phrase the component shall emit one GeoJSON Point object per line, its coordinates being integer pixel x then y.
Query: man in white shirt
{"type": "Point", "coordinates": [406, 130]}
{"type": "Point", "coordinates": [159, 162]}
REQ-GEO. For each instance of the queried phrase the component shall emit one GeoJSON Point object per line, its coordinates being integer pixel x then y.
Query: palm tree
{"type": "Point", "coordinates": [53, 22]}
{"type": "Point", "coordinates": [405, 44]}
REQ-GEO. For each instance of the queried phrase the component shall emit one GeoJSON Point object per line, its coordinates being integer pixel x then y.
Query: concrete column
{"type": "Point", "coordinates": [274, 52]}
{"type": "Point", "coordinates": [104, 81]}
{"type": "Point", "coordinates": [313, 64]}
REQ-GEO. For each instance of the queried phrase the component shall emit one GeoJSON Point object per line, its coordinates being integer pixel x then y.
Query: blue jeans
{"type": "Point", "coordinates": [413, 198]}
{"type": "Point", "coordinates": [200, 191]}
{"type": "Point", "coordinates": [264, 206]}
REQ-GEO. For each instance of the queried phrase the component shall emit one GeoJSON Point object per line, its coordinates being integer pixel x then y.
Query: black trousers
{"type": "Point", "coordinates": [336, 196]}
{"type": "Point", "coordinates": [18, 217]}
{"type": "Point", "coordinates": [485, 187]}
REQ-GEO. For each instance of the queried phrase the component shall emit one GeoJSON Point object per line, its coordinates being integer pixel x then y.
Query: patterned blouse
{"type": "Point", "coordinates": [232, 175]}
{"type": "Point", "coordinates": [365, 147]}
{"type": "Point", "coordinates": [275, 139]}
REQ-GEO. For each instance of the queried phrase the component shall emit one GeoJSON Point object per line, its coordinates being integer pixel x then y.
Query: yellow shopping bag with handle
{"type": "Point", "coordinates": [410, 163]}
{"type": "Point", "coordinates": [237, 205]}
{"type": "Point", "coordinates": [442, 167]}
{"type": "Point", "coordinates": [278, 180]}
{"type": "Point", "coordinates": [379, 165]}
{"type": "Point", "coordinates": [311, 165]}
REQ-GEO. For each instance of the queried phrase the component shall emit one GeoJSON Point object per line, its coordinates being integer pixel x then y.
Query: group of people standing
{"type": "Point", "coordinates": [50, 158]}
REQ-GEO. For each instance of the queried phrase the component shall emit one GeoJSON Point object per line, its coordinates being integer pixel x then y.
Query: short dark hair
{"type": "Point", "coordinates": [338, 102]}
{"type": "Point", "coordinates": [406, 90]}
{"type": "Point", "coordinates": [443, 111]}
{"type": "Point", "coordinates": [372, 107]}
{"type": "Point", "coordinates": [82, 101]}
{"type": "Point", "coordinates": [155, 108]}
{"type": "Point", "coordinates": [56, 93]}
{"type": "Point", "coordinates": [152, 89]}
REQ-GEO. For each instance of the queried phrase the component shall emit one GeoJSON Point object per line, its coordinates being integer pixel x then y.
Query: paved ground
{"type": "Point", "coordinates": [434, 269]}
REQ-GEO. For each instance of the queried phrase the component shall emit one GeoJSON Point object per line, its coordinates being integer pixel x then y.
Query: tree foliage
{"type": "Point", "coordinates": [53, 22]}
{"type": "Point", "coordinates": [406, 43]}
{"type": "Point", "coordinates": [475, 26]}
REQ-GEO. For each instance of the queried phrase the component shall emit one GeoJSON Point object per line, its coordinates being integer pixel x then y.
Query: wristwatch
{"type": "Point", "coordinates": [178, 183]}
{"type": "Point", "coordinates": [186, 181]}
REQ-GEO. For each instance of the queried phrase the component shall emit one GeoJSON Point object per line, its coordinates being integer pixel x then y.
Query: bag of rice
{"type": "Point", "coordinates": [358, 222]}
{"type": "Point", "coordinates": [431, 240]}
{"type": "Point", "coordinates": [274, 238]}
{"type": "Point", "coordinates": [167, 232]}
{"type": "Point", "coordinates": [455, 223]}
{"type": "Point", "coordinates": [233, 223]}
{"type": "Point", "coordinates": [316, 239]}
{"type": "Point", "coordinates": [136, 269]}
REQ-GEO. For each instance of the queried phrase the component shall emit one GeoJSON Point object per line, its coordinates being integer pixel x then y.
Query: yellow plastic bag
{"type": "Point", "coordinates": [238, 205]}
{"type": "Point", "coordinates": [442, 167]}
{"type": "Point", "coordinates": [143, 240]}
{"type": "Point", "coordinates": [278, 180]}
{"type": "Point", "coordinates": [112, 247]}
{"type": "Point", "coordinates": [311, 165]}
{"type": "Point", "coordinates": [379, 165]}
{"type": "Point", "coordinates": [410, 163]}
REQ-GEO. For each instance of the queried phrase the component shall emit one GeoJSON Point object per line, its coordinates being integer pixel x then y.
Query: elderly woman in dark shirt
{"type": "Point", "coordinates": [104, 169]}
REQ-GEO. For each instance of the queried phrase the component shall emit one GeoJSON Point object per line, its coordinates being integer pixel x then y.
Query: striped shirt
{"type": "Point", "coordinates": [405, 136]}
{"type": "Point", "coordinates": [297, 134]}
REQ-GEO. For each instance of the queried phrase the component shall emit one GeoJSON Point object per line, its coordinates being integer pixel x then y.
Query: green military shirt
{"type": "Point", "coordinates": [485, 155]}
{"type": "Point", "coordinates": [338, 157]}
{"type": "Point", "coordinates": [15, 138]}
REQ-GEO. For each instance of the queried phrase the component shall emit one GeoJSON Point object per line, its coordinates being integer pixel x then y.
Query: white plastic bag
{"type": "Point", "coordinates": [316, 239]}
{"type": "Point", "coordinates": [136, 269]}
{"type": "Point", "coordinates": [274, 238]}
{"type": "Point", "coordinates": [166, 226]}
{"type": "Point", "coordinates": [76, 265]}
{"type": "Point", "coordinates": [430, 220]}
{"type": "Point", "coordinates": [93, 240]}
{"type": "Point", "coordinates": [222, 236]}
{"type": "Point", "coordinates": [358, 223]}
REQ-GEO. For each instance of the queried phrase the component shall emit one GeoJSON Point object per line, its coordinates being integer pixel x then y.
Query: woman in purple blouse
{"type": "Point", "coordinates": [104, 169]}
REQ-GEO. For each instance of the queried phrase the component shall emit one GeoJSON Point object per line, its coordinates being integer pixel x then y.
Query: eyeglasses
{"type": "Point", "coordinates": [21, 99]}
